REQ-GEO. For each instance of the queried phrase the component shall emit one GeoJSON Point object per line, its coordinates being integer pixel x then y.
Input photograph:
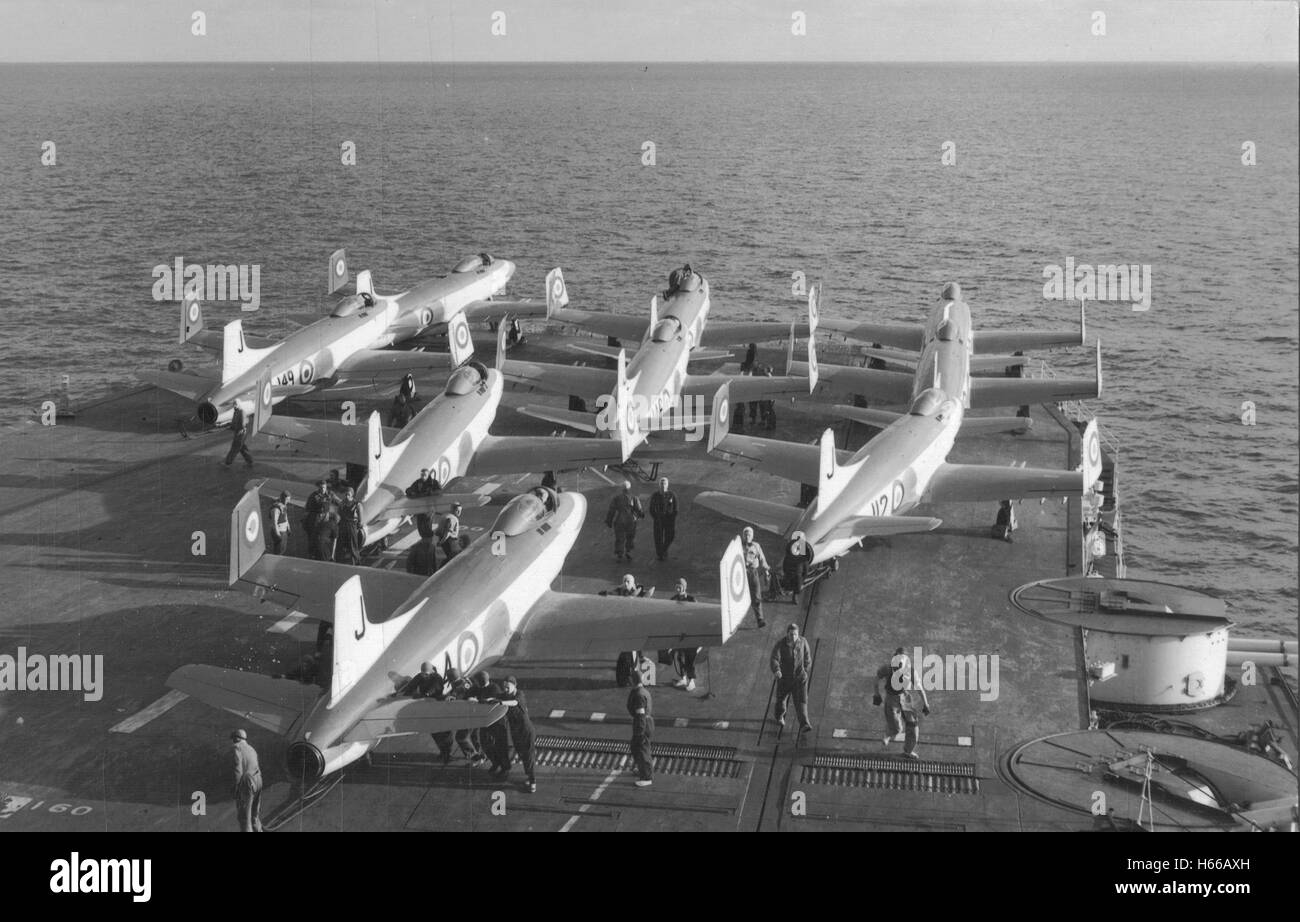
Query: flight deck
{"type": "Point", "coordinates": [115, 542]}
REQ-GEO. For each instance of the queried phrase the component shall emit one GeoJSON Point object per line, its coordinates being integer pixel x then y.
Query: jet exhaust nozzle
{"type": "Point", "coordinates": [208, 413]}
{"type": "Point", "coordinates": [305, 762]}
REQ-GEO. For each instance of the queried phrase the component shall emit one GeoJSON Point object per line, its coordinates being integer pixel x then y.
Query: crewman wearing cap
{"type": "Point", "coordinates": [280, 524]}
{"type": "Point", "coordinates": [495, 737]}
{"type": "Point", "coordinates": [522, 733]}
{"type": "Point", "coordinates": [315, 515]}
{"type": "Point", "coordinates": [798, 558]}
{"type": "Point", "coordinates": [641, 709]}
{"type": "Point", "coordinates": [898, 690]}
{"type": "Point", "coordinates": [624, 511]}
{"type": "Point", "coordinates": [248, 784]}
{"type": "Point", "coordinates": [424, 485]}
{"type": "Point", "coordinates": [458, 689]}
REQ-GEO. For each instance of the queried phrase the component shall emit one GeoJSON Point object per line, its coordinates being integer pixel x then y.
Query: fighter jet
{"type": "Point", "coordinates": [348, 346]}
{"type": "Point", "coordinates": [654, 391]}
{"type": "Point", "coordinates": [449, 437]}
{"type": "Point", "coordinates": [865, 494]}
{"type": "Point", "coordinates": [950, 321]}
{"type": "Point", "coordinates": [491, 601]}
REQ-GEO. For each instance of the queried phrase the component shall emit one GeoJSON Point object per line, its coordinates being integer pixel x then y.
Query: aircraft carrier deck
{"type": "Point", "coordinates": [99, 519]}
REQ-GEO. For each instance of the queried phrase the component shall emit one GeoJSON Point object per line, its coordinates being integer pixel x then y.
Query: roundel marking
{"type": "Point", "coordinates": [252, 526]}
{"type": "Point", "coordinates": [466, 651]}
{"type": "Point", "coordinates": [266, 394]}
{"type": "Point", "coordinates": [1094, 449]}
{"type": "Point", "coordinates": [557, 287]}
{"type": "Point", "coordinates": [736, 579]}
{"type": "Point", "coordinates": [340, 267]}
{"type": "Point", "coordinates": [443, 467]}
{"type": "Point", "coordinates": [462, 335]}
{"type": "Point", "coordinates": [306, 372]}
{"type": "Point", "coordinates": [194, 312]}
{"type": "Point", "coordinates": [629, 418]}
{"type": "Point", "coordinates": [426, 317]}
{"type": "Point", "coordinates": [724, 411]}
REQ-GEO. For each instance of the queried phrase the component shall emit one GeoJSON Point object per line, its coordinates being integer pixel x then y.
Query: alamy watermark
{"type": "Point", "coordinates": [686, 414]}
{"type": "Point", "coordinates": [951, 672]}
{"type": "Point", "coordinates": [37, 672]}
{"type": "Point", "coordinates": [1123, 282]}
{"type": "Point", "coordinates": [179, 281]}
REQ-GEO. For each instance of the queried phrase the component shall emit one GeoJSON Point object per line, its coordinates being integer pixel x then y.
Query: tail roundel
{"type": "Point", "coordinates": [629, 417]}
{"type": "Point", "coordinates": [557, 295]}
{"type": "Point", "coordinates": [247, 535]}
{"type": "Point", "coordinates": [735, 588]}
{"type": "Point", "coordinates": [338, 270]}
{"type": "Point", "coordinates": [720, 424]}
{"type": "Point", "coordinates": [191, 318]}
{"type": "Point", "coordinates": [459, 340]}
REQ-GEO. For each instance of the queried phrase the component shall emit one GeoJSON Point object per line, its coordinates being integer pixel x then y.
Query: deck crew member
{"type": "Point", "coordinates": [239, 424]}
{"type": "Point", "coordinates": [1005, 523]}
{"type": "Point", "coordinates": [791, 663]}
{"type": "Point", "coordinates": [641, 708]}
{"type": "Point", "coordinates": [424, 485]}
{"type": "Point", "coordinates": [326, 535]}
{"type": "Point", "coordinates": [663, 512]}
{"type": "Point", "coordinates": [248, 784]}
{"type": "Point", "coordinates": [428, 684]}
{"type": "Point", "coordinates": [798, 558]}
{"type": "Point", "coordinates": [495, 737]}
{"type": "Point", "coordinates": [624, 510]}
{"type": "Point", "coordinates": [684, 658]}
{"type": "Point", "coordinates": [448, 533]}
{"type": "Point", "coordinates": [458, 689]}
{"type": "Point", "coordinates": [899, 691]}
{"type": "Point", "coordinates": [522, 733]}
{"type": "Point", "coordinates": [422, 560]}
{"type": "Point", "coordinates": [756, 570]}
{"type": "Point", "coordinates": [280, 524]}
{"type": "Point", "coordinates": [314, 516]}
{"type": "Point", "coordinates": [631, 659]}
{"type": "Point", "coordinates": [351, 538]}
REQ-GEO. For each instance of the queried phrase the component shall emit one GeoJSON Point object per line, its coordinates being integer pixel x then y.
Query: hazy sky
{"type": "Point", "coordinates": [648, 30]}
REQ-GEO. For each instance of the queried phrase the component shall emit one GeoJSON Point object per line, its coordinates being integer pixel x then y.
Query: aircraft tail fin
{"type": "Point", "coordinates": [812, 363]}
{"type": "Point", "coordinates": [654, 313]}
{"type": "Point", "coordinates": [789, 353]}
{"type": "Point", "coordinates": [629, 420]}
{"type": "Point", "coordinates": [735, 588]}
{"type": "Point", "coordinates": [1091, 451]}
{"type": "Point", "coordinates": [263, 404]}
{"type": "Point", "coordinates": [502, 329]}
{"type": "Point", "coordinates": [365, 283]}
{"type": "Point", "coordinates": [557, 294]}
{"type": "Point", "coordinates": [357, 642]}
{"type": "Point", "coordinates": [833, 477]}
{"type": "Point", "coordinates": [380, 458]}
{"type": "Point", "coordinates": [1099, 369]}
{"type": "Point", "coordinates": [236, 355]}
{"type": "Point", "coordinates": [191, 319]}
{"type": "Point", "coordinates": [720, 422]}
{"type": "Point", "coordinates": [338, 270]}
{"type": "Point", "coordinates": [459, 340]}
{"type": "Point", "coordinates": [247, 539]}
{"type": "Point", "coordinates": [814, 309]}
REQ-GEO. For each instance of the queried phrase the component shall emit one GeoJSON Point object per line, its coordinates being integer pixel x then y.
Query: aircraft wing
{"type": "Point", "coordinates": [191, 387]}
{"type": "Point", "coordinates": [273, 704]}
{"type": "Point", "coordinates": [879, 526]}
{"type": "Point", "coordinates": [1012, 340]}
{"type": "Point", "coordinates": [777, 518]}
{"type": "Point", "coordinates": [403, 716]}
{"type": "Point", "coordinates": [991, 483]}
{"type": "Point", "coordinates": [746, 387]}
{"type": "Point", "coordinates": [899, 336]}
{"type": "Point", "coordinates": [394, 362]}
{"type": "Point", "coordinates": [517, 454]}
{"type": "Point", "coordinates": [325, 438]}
{"type": "Point", "coordinates": [215, 340]}
{"type": "Point", "coordinates": [888, 387]}
{"type": "Point", "coordinates": [791, 460]}
{"type": "Point", "coordinates": [1010, 392]}
{"type": "Point", "coordinates": [730, 333]}
{"type": "Point", "coordinates": [478, 311]}
{"type": "Point", "coordinates": [620, 326]}
{"type": "Point", "coordinates": [560, 379]}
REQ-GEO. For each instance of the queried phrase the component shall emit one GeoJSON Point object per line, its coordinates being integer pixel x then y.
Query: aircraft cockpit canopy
{"type": "Point", "coordinates": [465, 380]}
{"type": "Point", "coordinates": [948, 332]}
{"type": "Point", "coordinates": [666, 330]}
{"type": "Point", "coordinates": [927, 402]}
{"type": "Point", "coordinates": [470, 263]}
{"type": "Point", "coordinates": [528, 510]}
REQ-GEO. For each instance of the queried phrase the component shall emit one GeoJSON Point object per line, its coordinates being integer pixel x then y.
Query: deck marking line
{"type": "Point", "coordinates": [556, 714]}
{"type": "Point", "coordinates": [963, 741]}
{"type": "Point", "coordinates": [839, 734]}
{"type": "Point", "coordinates": [601, 475]}
{"type": "Point", "coordinates": [157, 709]}
{"type": "Point", "coordinates": [721, 724]}
{"type": "Point", "coordinates": [595, 796]}
{"type": "Point", "coordinates": [681, 722]}
{"type": "Point", "coordinates": [597, 717]}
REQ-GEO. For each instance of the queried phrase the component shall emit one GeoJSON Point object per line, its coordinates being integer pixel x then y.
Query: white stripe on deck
{"type": "Point", "coordinates": [153, 711]}
{"type": "Point", "coordinates": [595, 796]}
